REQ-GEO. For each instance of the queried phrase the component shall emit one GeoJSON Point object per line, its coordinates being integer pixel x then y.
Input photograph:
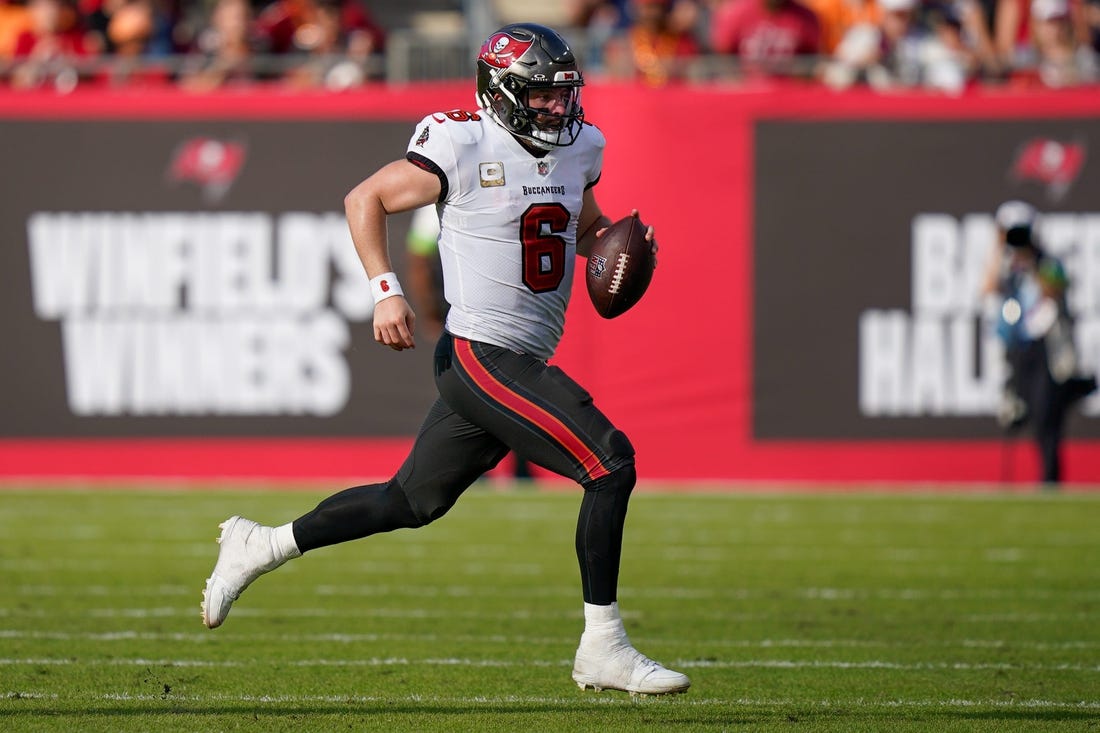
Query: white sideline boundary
{"type": "Point", "coordinates": [875, 664]}
{"type": "Point", "coordinates": [589, 699]}
{"type": "Point", "coordinates": [457, 590]}
{"type": "Point", "coordinates": [473, 613]}
{"type": "Point", "coordinates": [202, 637]}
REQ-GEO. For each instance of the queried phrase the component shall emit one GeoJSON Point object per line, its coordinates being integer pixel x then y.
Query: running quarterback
{"type": "Point", "coordinates": [513, 182]}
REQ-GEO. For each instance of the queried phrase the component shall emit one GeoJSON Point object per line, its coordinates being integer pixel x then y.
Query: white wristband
{"type": "Point", "coordinates": [385, 286]}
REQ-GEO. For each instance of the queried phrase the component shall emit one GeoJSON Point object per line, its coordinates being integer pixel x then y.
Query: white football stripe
{"type": "Point", "coordinates": [459, 662]}
{"type": "Point", "coordinates": [205, 636]}
{"type": "Point", "coordinates": [571, 701]}
{"type": "Point", "coordinates": [428, 590]}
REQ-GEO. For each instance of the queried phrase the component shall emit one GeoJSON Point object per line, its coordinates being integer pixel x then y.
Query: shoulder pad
{"type": "Point", "coordinates": [460, 125]}
{"type": "Point", "coordinates": [592, 136]}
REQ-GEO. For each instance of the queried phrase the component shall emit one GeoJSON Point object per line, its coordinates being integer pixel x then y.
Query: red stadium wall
{"type": "Point", "coordinates": [787, 218]}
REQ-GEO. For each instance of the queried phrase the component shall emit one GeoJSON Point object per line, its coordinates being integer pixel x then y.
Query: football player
{"type": "Point", "coordinates": [513, 183]}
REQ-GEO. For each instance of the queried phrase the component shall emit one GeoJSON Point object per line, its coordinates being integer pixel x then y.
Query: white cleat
{"type": "Point", "coordinates": [619, 666]}
{"type": "Point", "coordinates": [248, 550]}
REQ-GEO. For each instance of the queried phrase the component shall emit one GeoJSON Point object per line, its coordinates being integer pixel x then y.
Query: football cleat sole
{"type": "Point", "coordinates": [585, 686]}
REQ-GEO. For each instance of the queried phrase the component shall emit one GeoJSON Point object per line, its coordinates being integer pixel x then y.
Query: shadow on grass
{"type": "Point", "coordinates": [666, 714]}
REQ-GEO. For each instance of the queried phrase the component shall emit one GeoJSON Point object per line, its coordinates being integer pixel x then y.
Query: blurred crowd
{"type": "Point", "coordinates": [947, 45]}
{"type": "Point", "coordinates": [200, 45]}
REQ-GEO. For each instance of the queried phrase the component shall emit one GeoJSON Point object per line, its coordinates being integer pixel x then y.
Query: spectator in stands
{"type": "Point", "coordinates": [656, 49]}
{"type": "Point", "coordinates": [225, 49]}
{"type": "Point", "coordinates": [1013, 33]}
{"type": "Point", "coordinates": [51, 50]}
{"type": "Point", "coordinates": [868, 50]}
{"type": "Point", "coordinates": [97, 14]}
{"type": "Point", "coordinates": [130, 27]}
{"type": "Point", "coordinates": [975, 23]}
{"type": "Point", "coordinates": [837, 17]}
{"type": "Point", "coordinates": [338, 57]}
{"type": "Point", "coordinates": [1091, 13]}
{"type": "Point", "coordinates": [1061, 61]}
{"type": "Point", "coordinates": [901, 52]}
{"type": "Point", "coordinates": [769, 37]}
{"type": "Point", "coordinates": [14, 20]}
{"type": "Point", "coordinates": [130, 32]}
{"type": "Point", "coordinates": [902, 39]}
{"type": "Point", "coordinates": [951, 59]}
{"type": "Point", "coordinates": [162, 16]}
{"type": "Point", "coordinates": [614, 14]}
{"type": "Point", "coordinates": [600, 20]}
{"type": "Point", "coordinates": [277, 22]}
{"type": "Point", "coordinates": [290, 26]}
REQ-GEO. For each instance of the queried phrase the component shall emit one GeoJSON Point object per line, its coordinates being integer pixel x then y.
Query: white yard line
{"type": "Point", "coordinates": [476, 663]}
{"type": "Point", "coordinates": [567, 701]}
{"type": "Point", "coordinates": [884, 665]}
{"type": "Point", "coordinates": [430, 590]}
{"type": "Point", "coordinates": [450, 613]}
{"type": "Point", "coordinates": [519, 639]}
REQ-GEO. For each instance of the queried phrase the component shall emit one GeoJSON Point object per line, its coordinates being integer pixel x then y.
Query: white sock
{"type": "Point", "coordinates": [594, 614]}
{"type": "Point", "coordinates": [603, 622]}
{"type": "Point", "coordinates": [285, 546]}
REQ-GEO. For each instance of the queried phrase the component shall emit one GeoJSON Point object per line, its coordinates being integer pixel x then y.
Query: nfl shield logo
{"type": "Point", "coordinates": [543, 167]}
{"type": "Point", "coordinates": [597, 266]}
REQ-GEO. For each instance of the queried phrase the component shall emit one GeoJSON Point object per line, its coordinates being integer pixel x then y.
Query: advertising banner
{"type": "Point", "coordinates": [195, 279]}
{"type": "Point", "coordinates": [183, 298]}
{"type": "Point", "coordinates": [874, 254]}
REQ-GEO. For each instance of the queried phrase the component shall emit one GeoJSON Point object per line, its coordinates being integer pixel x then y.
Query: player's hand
{"type": "Point", "coordinates": [394, 321]}
{"type": "Point", "coordinates": [649, 236]}
{"type": "Point", "coordinates": [648, 233]}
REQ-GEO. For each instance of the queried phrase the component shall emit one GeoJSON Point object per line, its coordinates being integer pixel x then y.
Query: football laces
{"type": "Point", "coordinates": [620, 270]}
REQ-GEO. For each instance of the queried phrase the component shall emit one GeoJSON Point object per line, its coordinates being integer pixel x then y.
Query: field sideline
{"type": "Point", "coordinates": [834, 611]}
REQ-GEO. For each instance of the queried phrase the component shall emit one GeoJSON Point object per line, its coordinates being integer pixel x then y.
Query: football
{"type": "Point", "coordinates": [620, 267]}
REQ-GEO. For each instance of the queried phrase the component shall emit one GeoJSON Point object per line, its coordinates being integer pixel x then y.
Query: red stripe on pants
{"type": "Point", "coordinates": [528, 410]}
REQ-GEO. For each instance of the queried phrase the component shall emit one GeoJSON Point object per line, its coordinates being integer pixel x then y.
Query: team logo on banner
{"type": "Point", "coordinates": [211, 164]}
{"type": "Point", "coordinates": [1050, 162]}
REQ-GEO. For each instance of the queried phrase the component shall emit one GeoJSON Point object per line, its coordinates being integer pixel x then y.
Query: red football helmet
{"type": "Point", "coordinates": [525, 56]}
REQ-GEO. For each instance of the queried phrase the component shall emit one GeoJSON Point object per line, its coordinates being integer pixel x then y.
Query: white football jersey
{"type": "Point", "coordinates": [508, 238]}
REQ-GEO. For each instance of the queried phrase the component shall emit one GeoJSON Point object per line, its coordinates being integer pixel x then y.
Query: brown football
{"type": "Point", "coordinates": [620, 267]}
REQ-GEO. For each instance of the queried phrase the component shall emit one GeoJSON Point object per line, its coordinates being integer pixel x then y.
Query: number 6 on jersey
{"type": "Point", "coordinates": [543, 248]}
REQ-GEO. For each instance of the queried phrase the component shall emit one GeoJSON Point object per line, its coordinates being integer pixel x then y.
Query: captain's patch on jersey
{"type": "Point", "coordinates": [492, 174]}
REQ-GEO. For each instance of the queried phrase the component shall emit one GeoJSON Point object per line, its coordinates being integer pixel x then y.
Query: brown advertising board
{"type": "Point", "coordinates": [186, 301]}
{"type": "Point", "coordinates": [196, 279]}
{"type": "Point", "coordinates": [871, 239]}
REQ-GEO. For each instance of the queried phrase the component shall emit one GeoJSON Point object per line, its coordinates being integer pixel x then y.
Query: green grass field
{"type": "Point", "coordinates": [849, 611]}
